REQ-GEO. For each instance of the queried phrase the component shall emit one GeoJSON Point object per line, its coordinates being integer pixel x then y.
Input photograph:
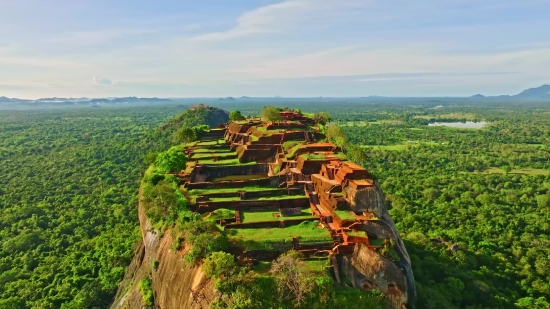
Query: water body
{"type": "Point", "coordinates": [461, 125]}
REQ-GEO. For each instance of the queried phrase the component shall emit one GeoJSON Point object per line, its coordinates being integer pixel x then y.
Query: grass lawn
{"type": "Point", "coordinates": [212, 150]}
{"type": "Point", "coordinates": [259, 216]}
{"type": "Point", "coordinates": [319, 267]}
{"type": "Point", "coordinates": [344, 214]}
{"type": "Point", "coordinates": [281, 197]}
{"type": "Point", "coordinates": [321, 156]}
{"type": "Point", "coordinates": [239, 177]}
{"type": "Point", "coordinates": [212, 155]}
{"type": "Point", "coordinates": [228, 190]}
{"type": "Point", "coordinates": [305, 230]}
{"type": "Point", "coordinates": [223, 161]}
{"type": "Point", "coordinates": [522, 171]}
{"type": "Point", "coordinates": [292, 151]}
{"type": "Point", "coordinates": [228, 162]}
{"type": "Point", "coordinates": [210, 143]}
{"type": "Point", "coordinates": [270, 198]}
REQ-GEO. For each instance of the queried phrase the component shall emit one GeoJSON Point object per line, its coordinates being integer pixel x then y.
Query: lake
{"type": "Point", "coordinates": [461, 125]}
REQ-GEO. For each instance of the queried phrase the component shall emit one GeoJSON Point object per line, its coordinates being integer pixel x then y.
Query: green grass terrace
{"type": "Point", "coordinates": [262, 216]}
{"type": "Point", "coordinates": [268, 238]}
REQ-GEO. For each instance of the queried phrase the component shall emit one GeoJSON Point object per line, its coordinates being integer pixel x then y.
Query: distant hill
{"type": "Point", "coordinates": [81, 101]}
{"type": "Point", "coordinates": [6, 100]}
{"type": "Point", "coordinates": [227, 99]}
{"type": "Point", "coordinates": [194, 116]}
{"type": "Point", "coordinates": [477, 96]}
{"type": "Point", "coordinates": [542, 92]}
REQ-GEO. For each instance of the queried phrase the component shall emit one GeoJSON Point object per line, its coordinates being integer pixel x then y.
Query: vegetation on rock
{"type": "Point", "coordinates": [235, 116]}
{"type": "Point", "coordinates": [270, 113]}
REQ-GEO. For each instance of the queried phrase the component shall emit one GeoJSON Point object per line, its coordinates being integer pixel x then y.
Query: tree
{"type": "Point", "coordinates": [356, 154]}
{"type": "Point", "coordinates": [431, 193]}
{"type": "Point", "coordinates": [170, 161]}
{"type": "Point", "coordinates": [219, 263]}
{"type": "Point", "coordinates": [335, 135]}
{"type": "Point", "coordinates": [271, 113]}
{"type": "Point", "coordinates": [292, 277]}
{"type": "Point", "coordinates": [507, 169]}
{"type": "Point", "coordinates": [185, 135]}
{"type": "Point", "coordinates": [235, 116]}
{"type": "Point", "coordinates": [543, 201]}
{"type": "Point", "coordinates": [160, 200]}
{"type": "Point", "coordinates": [322, 118]}
{"type": "Point", "coordinates": [150, 158]}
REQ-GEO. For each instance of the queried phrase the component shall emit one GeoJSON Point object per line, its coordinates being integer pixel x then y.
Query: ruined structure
{"type": "Point", "coordinates": [286, 171]}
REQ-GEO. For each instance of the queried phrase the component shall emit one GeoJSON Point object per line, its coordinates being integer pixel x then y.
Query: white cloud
{"type": "Point", "coordinates": [348, 61]}
{"type": "Point", "coordinates": [276, 17]}
{"type": "Point", "coordinates": [255, 21]}
{"type": "Point", "coordinates": [101, 81]}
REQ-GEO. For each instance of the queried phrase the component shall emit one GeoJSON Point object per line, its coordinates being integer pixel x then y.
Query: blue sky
{"type": "Point", "coordinates": [264, 48]}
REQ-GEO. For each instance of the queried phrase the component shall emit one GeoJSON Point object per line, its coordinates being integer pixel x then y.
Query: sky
{"type": "Point", "coordinates": [298, 48]}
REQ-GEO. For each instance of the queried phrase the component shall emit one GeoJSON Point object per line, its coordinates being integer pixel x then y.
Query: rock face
{"type": "Point", "coordinates": [174, 284]}
{"type": "Point", "coordinates": [177, 285]}
{"type": "Point", "coordinates": [365, 245]}
{"type": "Point", "coordinates": [373, 271]}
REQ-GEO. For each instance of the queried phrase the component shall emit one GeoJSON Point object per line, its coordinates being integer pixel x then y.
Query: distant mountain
{"type": "Point", "coordinates": [227, 99]}
{"type": "Point", "coordinates": [127, 100]}
{"type": "Point", "coordinates": [477, 96]}
{"type": "Point", "coordinates": [4, 100]}
{"type": "Point", "coordinates": [542, 92]}
{"type": "Point", "coordinates": [81, 101]}
{"type": "Point", "coordinates": [61, 100]}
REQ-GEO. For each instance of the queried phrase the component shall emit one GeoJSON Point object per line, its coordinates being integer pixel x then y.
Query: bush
{"type": "Point", "coordinates": [204, 238]}
{"type": "Point", "coordinates": [271, 113]}
{"type": "Point", "coordinates": [235, 115]}
{"type": "Point", "coordinates": [219, 263]}
{"type": "Point", "coordinates": [146, 292]}
{"type": "Point", "coordinates": [170, 161]}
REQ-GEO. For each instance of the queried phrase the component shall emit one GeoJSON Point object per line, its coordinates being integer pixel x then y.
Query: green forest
{"type": "Point", "coordinates": [472, 204]}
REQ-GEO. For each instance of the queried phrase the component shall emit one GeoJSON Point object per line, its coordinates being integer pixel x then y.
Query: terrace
{"type": "Point", "coordinates": [268, 197]}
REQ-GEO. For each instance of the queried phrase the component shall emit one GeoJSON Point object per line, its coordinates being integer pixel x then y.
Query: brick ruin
{"type": "Point", "coordinates": [300, 171]}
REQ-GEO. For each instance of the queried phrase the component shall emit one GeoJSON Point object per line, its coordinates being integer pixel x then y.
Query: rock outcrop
{"type": "Point", "coordinates": [373, 271]}
{"type": "Point", "coordinates": [225, 170]}
{"type": "Point", "coordinates": [175, 284]}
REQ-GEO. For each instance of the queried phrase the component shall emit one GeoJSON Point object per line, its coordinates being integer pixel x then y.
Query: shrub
{"type": "Point", "coordinates": [235, 115]}
{"type": "Point", "coordinates": [219, 263]}
{"type": "Point", "coordinates": [271, 113]}
{"type": "Point", "coordinates": [170, 161]}
{"type": "Point", "coordinates": [146, 292]}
